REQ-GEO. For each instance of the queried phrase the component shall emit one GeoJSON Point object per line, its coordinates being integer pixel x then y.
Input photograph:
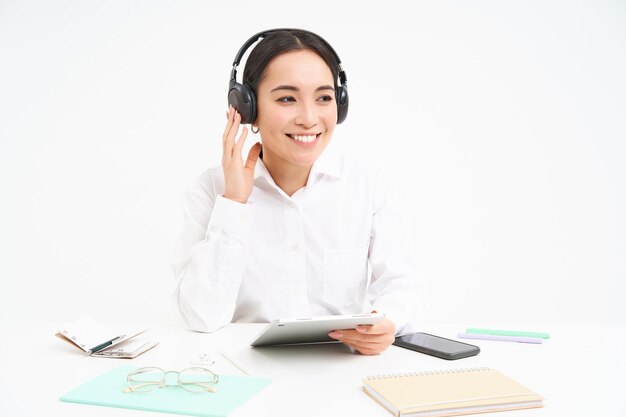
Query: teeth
{"type": "Point", "coordinates": [305, 139]}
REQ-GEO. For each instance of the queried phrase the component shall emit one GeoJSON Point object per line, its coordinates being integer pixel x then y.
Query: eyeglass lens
{"type": "Point", "coordinates": [197, 379]}
{"type": "Point", "coordinates": [146, 379]}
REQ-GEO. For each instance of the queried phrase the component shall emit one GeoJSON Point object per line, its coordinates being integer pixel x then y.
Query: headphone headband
{"type": "Point", "coordinates": [263, 34]}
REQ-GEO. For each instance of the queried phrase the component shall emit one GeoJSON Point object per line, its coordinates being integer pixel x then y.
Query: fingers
{"type": "Point", "coordinates": [232, 127]}
{"type": "Point", "coordinates": [253, 156]}
{"type": "Point", "coordinates": [354, 336]}
{"type": "Point", "coordinates": [365, 347]}
{"type": "Point", "coordinates": [368, 340]}
{"type": "Point", "coordinates": [238, 177]}
{"type": "Point", "coordinates": [368, 350]}
{"type": "Point", "coordinates": [229, 122]}
{"type": "Point", "coordinates": [232, 147]}
{"type": "Point", "coordinates": [382, 327]}
{"type": "Point", "coordinates": [241, 140]}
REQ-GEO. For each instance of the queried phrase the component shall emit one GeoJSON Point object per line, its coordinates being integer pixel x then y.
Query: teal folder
{"type": "Point", "coordinates": [107, 390]}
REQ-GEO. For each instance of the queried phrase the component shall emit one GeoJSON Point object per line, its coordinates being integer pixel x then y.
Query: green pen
{"type": "Point", "coordinates": [508, 333]}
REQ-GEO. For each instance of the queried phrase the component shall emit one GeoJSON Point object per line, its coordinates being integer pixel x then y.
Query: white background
{"type": "Point", "coordinates": [504, 122]}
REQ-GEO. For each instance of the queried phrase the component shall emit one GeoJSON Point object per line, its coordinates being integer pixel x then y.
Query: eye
{"type": "Point", "coordinates": [325, 99]}
{"type": "Point", "coordinates": [287, 99]}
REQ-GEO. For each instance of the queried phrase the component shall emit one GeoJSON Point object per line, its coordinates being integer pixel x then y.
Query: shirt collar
{"type": "Point", "coordinates": [260, 170]}
{"type": "Point", "coordinates": [328, 163]}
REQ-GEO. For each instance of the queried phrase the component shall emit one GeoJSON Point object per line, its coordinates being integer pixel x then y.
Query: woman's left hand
{"type": "Point", "coordinates": [368, 340]}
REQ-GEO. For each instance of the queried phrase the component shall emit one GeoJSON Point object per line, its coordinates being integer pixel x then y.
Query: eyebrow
{"type": "Point", "coordinates": [292, 88]}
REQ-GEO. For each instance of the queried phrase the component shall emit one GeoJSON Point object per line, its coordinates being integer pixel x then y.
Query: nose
{"type": "Point", "coordinates": [307, 116]}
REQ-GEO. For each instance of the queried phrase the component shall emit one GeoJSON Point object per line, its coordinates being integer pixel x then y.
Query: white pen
{"type": "Point", "coordinates": [234, 363]}
{"type": "Point", "coordinates": [105, 344]}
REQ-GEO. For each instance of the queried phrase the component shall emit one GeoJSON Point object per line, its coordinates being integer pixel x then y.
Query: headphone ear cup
{"type": "Point", "coordinates": [242, 98]}
{"type": "Point", "coordinates": [342, 103]}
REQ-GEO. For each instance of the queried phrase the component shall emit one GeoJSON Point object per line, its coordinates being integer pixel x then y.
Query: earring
{"type": "Point", "coordinates": [254, 131]}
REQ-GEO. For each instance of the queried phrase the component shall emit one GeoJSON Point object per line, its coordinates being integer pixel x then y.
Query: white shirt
{"type": "Point", "coordinates": [310, 254]}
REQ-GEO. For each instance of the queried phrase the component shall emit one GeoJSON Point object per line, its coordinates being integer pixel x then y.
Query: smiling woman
{"type": "Point", "coordinates": [290, 231]}
{"type": "Point", "coordinates": [302, 109]}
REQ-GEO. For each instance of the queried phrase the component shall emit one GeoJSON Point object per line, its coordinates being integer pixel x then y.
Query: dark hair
{"type": "Point", "coordinates": [280, 42]}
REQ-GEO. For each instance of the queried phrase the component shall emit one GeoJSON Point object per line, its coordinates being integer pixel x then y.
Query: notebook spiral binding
{"type": "Point", "coordinates": [426, 373]}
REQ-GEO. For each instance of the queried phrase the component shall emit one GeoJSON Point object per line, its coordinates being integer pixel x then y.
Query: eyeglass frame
{"type": "Point", "coordinates": [207, 386]}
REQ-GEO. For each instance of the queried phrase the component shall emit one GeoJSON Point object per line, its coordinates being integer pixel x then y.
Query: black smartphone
{"type": "Point", "coordinates": [436, 346]}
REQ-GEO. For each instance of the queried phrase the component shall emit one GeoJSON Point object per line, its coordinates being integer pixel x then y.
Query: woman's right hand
{"type": "Point", "coordinates": [238, 178]}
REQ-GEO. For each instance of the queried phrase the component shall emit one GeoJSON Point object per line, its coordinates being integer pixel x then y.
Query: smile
{"type": "Point", "coordinates": [305, 139]}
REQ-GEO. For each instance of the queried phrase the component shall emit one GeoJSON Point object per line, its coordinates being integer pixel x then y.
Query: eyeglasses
{"type": "Point", "coordinates": [195, 379]}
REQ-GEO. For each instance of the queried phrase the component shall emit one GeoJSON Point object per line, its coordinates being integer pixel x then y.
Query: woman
{"type": "Point", "coordinates": [290, 231]}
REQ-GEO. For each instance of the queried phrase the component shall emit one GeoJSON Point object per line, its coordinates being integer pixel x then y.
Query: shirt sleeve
{"type": "Point", "coordinates": [208, 254]}
{"type": "Point", "coordinates": [395, 287]}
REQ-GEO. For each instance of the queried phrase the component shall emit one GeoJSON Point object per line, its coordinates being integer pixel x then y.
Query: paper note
{"type": "Point", "coordinates": [108, 390]}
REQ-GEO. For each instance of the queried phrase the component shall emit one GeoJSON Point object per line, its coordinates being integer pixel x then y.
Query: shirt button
{"type": "Point", "coordinates": [295, 247]}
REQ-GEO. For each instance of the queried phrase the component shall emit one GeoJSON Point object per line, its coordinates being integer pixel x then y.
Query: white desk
{"type": "Point", "coordinates": [580, 371]}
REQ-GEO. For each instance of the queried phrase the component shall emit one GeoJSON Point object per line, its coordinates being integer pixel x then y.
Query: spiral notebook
{"type": "Point", "coordinates": [450, 392]}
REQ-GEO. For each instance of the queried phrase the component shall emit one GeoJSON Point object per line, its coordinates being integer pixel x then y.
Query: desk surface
{"type": "Point", "coordinates": [580, 370]}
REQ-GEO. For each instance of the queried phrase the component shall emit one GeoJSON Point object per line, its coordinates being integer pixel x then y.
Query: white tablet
{"type": "Point", "coordinates": [311, 329]}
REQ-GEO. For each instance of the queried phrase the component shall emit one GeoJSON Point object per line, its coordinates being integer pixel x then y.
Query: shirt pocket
{"type": "Point", "coordinates": [345, 276]}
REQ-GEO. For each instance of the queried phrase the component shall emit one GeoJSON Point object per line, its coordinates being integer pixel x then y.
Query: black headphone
{"type": "Point", "coordinates": [242, 97]}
